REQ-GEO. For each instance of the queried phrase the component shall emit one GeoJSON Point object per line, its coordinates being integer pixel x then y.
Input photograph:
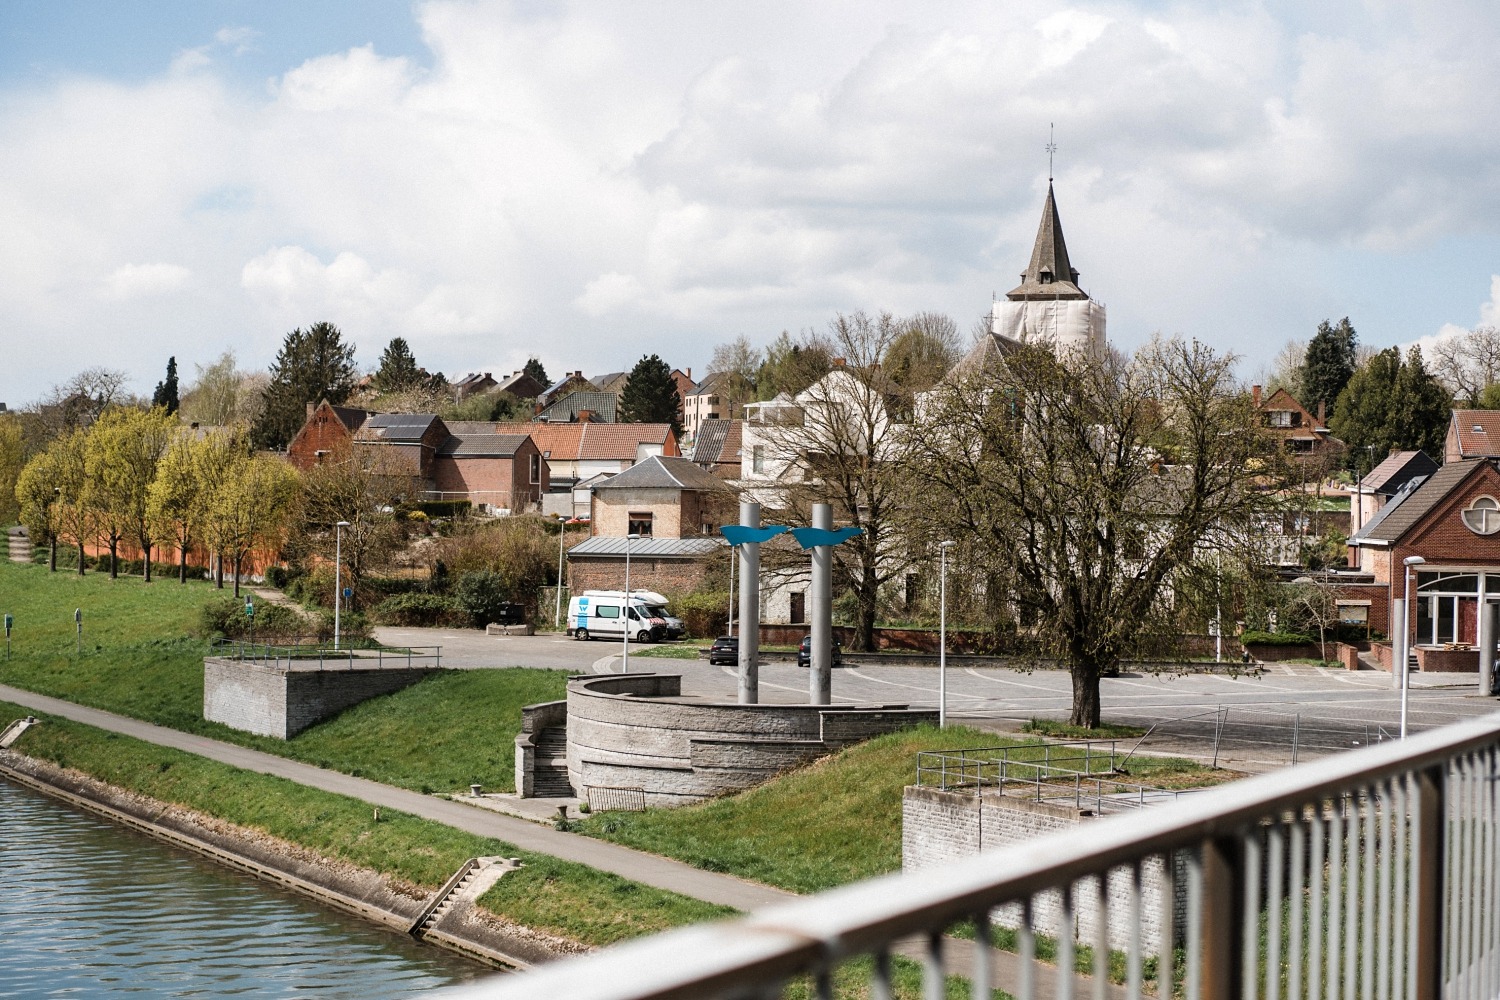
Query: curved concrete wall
{"type": "Point", "coordinates": [636, 731]}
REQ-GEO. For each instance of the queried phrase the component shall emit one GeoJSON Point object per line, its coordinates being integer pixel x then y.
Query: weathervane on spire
{"type": "Point", "coordinates": [1051, 148]}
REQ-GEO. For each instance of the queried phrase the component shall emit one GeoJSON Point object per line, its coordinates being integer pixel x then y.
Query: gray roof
{"type": "Point", "coordinates": [712, 382]}
{"type": "Point", "coordinates": [1402, 517]}
{"type": "Point", "coordinates": [601, 404]}
{"type": "Point", "coordinates": [653, 548]}
{"type": "Point", "coordinates": [1388, 508]}
{"type": "Point", "coordinates": [1397, 470]}
{"type": "Point", "coordinates": [399, 426]}
{"type": "Point", "coordinates": [1049, 275]}
{"type": "Point", "coordinates": [483, 445]}
{"type": "Point", "coordinates": [708, 446]}
{"type": "Point", "coordinates": [658, 473]}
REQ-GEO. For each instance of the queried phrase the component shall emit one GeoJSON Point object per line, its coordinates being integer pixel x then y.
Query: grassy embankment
{"type": "Point", "coordinates": [140, 659]}
{"type": "Point", "coordinates": [833, 822]}
{"type": "Point", "coordinates": [547, 894]}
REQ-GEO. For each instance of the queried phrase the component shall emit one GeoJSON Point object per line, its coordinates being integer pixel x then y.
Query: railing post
{"type": "Point", "coordinates": [1426, 966]}
{"type": "Point", "coordinates": [1222, 936]}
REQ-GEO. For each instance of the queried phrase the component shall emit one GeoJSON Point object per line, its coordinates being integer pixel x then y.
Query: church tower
{"type": "Point", "coordinates": [1048, 305]}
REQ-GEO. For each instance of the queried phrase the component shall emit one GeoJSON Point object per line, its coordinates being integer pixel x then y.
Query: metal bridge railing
{"type": "Point", "coordinates": [1368, 874]}
{"type": "Point", "coordinates": [319, 656]}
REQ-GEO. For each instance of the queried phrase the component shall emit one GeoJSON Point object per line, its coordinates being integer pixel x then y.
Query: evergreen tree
{"type": "Point", "coordinates": [1329, 365]}
{"type": "Point", "coordinates": [166, 390]}
{"type": "Point", "coordinates": [535, 370]}
{"type": "Point", "coordinates": [1391, 404]}
{"type": "Point", "coordinates": [312, 365]}
{"type": "Point", "coordinates": [398, 368]}
{"type": "Point", "coordinates": [650, 395]}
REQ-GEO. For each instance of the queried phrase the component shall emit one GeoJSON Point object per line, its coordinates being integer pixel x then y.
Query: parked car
{"type": "Point", "coordinates": [804, 653]}
{"type": "Point", "coordinates": [656, 605]}
{"type": "Point", "coordinates": [592, 617]}
{"type": "Point", "coordinates": [725, 651]}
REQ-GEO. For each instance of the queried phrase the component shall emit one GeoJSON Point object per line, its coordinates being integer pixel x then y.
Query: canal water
{"type": "Point", "coordinates": [92, 909]}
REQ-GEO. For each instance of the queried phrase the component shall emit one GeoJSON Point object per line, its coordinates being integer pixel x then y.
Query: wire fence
{"type": "Point", "coordinates": [1234, 732]}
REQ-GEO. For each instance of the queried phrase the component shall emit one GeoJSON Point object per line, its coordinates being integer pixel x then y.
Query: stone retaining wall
{"type": "Point", "coordinates": [942, 826]}
{"type": "Point", "coordinates": [534, 718]}
{"type": "Point", "coordinates": [637, 731]}
{"type": "Point", "coordinates": [281, 701]}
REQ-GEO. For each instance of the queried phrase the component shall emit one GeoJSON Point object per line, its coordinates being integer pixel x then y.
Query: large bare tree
{"type": "Point", "coordinates": [1084, 484]}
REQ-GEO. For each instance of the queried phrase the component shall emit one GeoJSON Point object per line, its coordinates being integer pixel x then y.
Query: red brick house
{"type": "Point", "coordinates": [1472, 434]}
{"type": "Point", "coordinates": [1305, 437]}
{"type": "Point", "coordinates": [329, 430]}
{"type": "Point", "coordinates": [1452, 520]}
{"type": "Point", "coordinates": [498, 473]}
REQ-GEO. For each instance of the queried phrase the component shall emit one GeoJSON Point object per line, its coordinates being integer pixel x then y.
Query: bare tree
{"type": "Point", "coordinates": [360, 486]}
{"type": "Point", "coordinates": [1086, 484]}
{"type": "Point", "coordinates": [1468, 363]}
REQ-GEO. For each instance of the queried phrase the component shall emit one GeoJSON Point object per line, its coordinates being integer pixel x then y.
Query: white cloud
{"type": "Point", "coordinates": [135, 280]}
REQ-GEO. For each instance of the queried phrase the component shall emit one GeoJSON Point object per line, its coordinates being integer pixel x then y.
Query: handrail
{"type": "Point", "coordinates": [749, 956]}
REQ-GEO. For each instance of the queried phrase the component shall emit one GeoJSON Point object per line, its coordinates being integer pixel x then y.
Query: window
{"type": "Point", "coordinates": [606, 611]}
{"type": "Point", "coordinates": [1280, 418]}
{"type": "Point", "coordinates": [1483, 516]}
{"type": "Point", "coordinates": [536, 469]}
{"type": "Point", "coordinates": [640, 523]}
{"type": "Point", "coordinates": [758, 459]}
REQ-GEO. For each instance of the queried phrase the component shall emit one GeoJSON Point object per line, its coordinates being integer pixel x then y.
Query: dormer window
{"type": "Point", "coordinates": [1483, 516]}
{"type": "Point", "coordinates": [1044, 276]}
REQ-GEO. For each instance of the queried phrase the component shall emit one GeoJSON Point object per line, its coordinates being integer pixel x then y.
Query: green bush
{"type": "Point", "coordinates": [705, 614]}
{"type": "Point", "coordinates": [224, 617]}
{"type": "Point", "coordinates": [314, 588]}
{"type": "Point", "coordinates": [354, 627]}
{"type": "Point", "coordinates": [1276, 639]}
{"type": "Point", "coordinates": [420, 611]}
{"type": "Point", "coordinates": [480, 595]}
{"type": "Point", "coordinates": [282, 577]}
{"type": "Point", "coordinates": [444, 508]}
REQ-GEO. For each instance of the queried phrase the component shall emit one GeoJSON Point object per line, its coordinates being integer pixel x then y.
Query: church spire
{"type": "Point", "coordinates": [1049, 275]}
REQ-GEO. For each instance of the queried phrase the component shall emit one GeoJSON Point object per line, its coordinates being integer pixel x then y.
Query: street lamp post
{"type": "Point", "coordinates": [338, 579]}
{"type": "Point", "coordinates": [1406, 619]}
{"type": "Point", "coordinates": [734, 555]}
{"type": "Point", "coordinates": [625, 611]}
{"type": "Point", "coordinates": [562, 534]}
{"type": "Point", "coordinates": [943, 548]}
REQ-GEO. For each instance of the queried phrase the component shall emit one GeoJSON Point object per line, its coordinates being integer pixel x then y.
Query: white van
{"type": "Point", "coordinates": [607, 617]}
{"type": "Point", "coordinates": [673, 628]}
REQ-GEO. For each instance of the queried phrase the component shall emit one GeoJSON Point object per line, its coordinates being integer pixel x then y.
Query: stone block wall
{"type": "Point", "coordinates": [281, 701]}
{"type": "Point", "coordinates": [941, 826]}
{"type": "Point", "coordinates": [534, 718]}
{"type": "Point", "coordinates": [634, 731]}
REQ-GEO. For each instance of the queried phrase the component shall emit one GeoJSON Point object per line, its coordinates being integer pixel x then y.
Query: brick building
{"type": "Point", "coordinates": [502, 473]}
{"type": "Point", "coordinates": [1452, 520]}
{"type": "Point", "coordinates": [717, 447]}
{"type": "Point", "coordinates": [1472, 434]}
{"type": "Point", "coordinates": [329, 430]}
{"type": "Point", "coordinates": [1304, 436]}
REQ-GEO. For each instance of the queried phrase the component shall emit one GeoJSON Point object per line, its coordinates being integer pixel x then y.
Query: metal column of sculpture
{"type": "Point", "coordinates": [747, 536]}
{"type": "Point", "coordinates": [821, 538]}
{"type": "Point", "coordinates": [1489, 634]}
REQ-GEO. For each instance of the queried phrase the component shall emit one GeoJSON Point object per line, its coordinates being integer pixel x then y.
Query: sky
{"type": "Point", "coordinates": [590, 183]}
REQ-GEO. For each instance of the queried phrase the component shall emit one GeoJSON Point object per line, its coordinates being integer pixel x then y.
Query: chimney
{"type": "Point", "coordinates": [585, 416]}
{"type": "Point", "coordinates": [1255, 395]}
{"type": "Point", "coordinates": [310, 407]}
{"type": "Point", "coordinates": [488, 375]}
{"type": "Point", "coordinates": [689, 375]}
{"type": "Point", "coordinates": [1322, 413]}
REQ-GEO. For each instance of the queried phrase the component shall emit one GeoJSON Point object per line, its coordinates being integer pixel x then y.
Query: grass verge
{"type": "Point", "coordinates": [832, 822]}
{"type": "Point", "coordinates": [549, 894]}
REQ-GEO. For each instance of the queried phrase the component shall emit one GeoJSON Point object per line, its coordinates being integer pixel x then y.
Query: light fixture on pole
{"type": "Point", "coordinates": [562, 534]}
{"type": "Point", "coordinates": [1406, 620]}
{"type": "Point", "coordinates": [943, 548]}
{"type": "Point", "coordinates": [338, 585]}
{"type": "Point", "coordinates": [625, 611]}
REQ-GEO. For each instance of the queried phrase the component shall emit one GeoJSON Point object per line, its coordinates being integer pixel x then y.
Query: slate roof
{"type": "Point", "coordinates": [718, 441]}
{"type": "Point", "coordinates": [657, 473]}
{"type": "Point", "coordinates": [1399, 518]}
{"type": "Point", "coordinates": [1049, 259]}
{"type": "Point", "coordinates": [522, 386]}
{"type": "Point", "coordinates": [1478, 433]}
{"type": "Point", "coordinates": [653, 548]}
{"type": "Point", "coordinates": [712, 382]}
{"type": "Point", "coordinates": [483, 445]}
{"type": "Point", "coordinates": [398, 427]}
{"type": "Point", "coordinates": [601, 404]}
{"type": "Point", "coordinates": [1390, 506]}
{"type": "Point", "coordinates": [351, 417]}
{"type": "Point", "coordinates": [613, 382]}
{"type": "Point", "coordinates": [1398, 468]}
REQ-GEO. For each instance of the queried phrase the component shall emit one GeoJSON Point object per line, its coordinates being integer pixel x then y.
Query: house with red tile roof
{"type": "Point", "coordinates": [1472, 434]}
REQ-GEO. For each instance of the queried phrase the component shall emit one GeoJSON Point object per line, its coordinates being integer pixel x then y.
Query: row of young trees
{"type": "Point", "coordinates": [140, 476]}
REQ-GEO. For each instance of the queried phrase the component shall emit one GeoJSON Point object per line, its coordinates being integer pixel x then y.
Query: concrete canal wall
{"type": "Point", "coordinates": [462, 927]}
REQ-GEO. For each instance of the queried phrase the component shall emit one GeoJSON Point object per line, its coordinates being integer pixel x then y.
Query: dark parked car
{"type": "Point", "coordinates": [804, 653]}
{"type": "Point", "coordinates": [725, 651]}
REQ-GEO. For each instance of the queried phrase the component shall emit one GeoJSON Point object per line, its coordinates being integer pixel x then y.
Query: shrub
{"type": "Point", "coordinates": [480, 594]}
{"type": "Point", "coordinates": [443, 508]}
{"type": "Point", "coordinates": [282, 577]}
{"type": "Point", "coordinates": [1276, 639]}
{"type": "Point", "coordinates": [224, 617]}
{"type": "Point", "coordinates": [314, 588]}
{"type": "Point", "coordinates": [420, 611]}
{"type": "Point", "coordinates": [354, 627]}
{"type": "Point", "coordinates": [705, 614]}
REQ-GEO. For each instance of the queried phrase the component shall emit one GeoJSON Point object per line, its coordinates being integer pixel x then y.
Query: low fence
{"type": "Point", "coordinates": [1083, 774]}
{"type": "Point", "coordinates": [320, 656]}
{"type": "Point", "coordinates": [1370, 874]}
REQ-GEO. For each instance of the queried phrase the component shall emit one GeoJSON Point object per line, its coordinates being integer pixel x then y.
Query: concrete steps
{"type": "Point", "coordinates": [19, 545]}
{"type": "Point", "coordinates": [470, 882]}
{"type": "Point", "coordinates": [550, 779]}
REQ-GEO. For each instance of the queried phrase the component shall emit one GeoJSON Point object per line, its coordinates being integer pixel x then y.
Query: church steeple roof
{"type": "Point", "coordinates": [1049, 275]}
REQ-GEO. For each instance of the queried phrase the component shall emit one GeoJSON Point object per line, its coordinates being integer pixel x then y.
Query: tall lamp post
{"type": "Point", "coordinates": [943, 548]}
{"type": "Point", "coordinates": [625, 611]}
{"type": "Point", "coordinates": [562, 535]}
{"type": "Point", "coordinates": [338, 584]}
{"type": "Point", "coordinates": [1406, 620]}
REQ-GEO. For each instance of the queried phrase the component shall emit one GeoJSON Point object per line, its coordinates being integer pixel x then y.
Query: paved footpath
{"type": "Point", "coordinates": [649, 869]}
{"type": "Point", "coordinates": [639, 866]}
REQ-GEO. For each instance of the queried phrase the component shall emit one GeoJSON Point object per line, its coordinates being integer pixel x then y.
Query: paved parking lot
{"type": "Point", "coordinates": [1258, 720]}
